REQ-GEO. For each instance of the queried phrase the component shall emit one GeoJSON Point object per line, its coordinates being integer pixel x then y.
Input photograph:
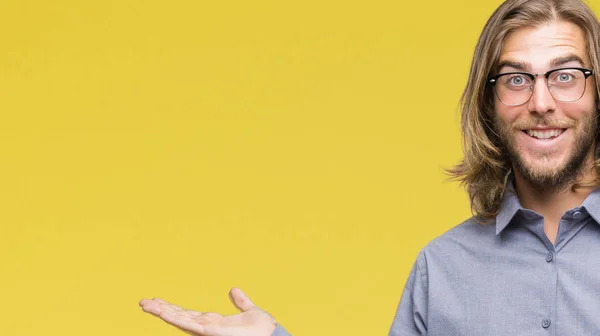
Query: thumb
{"type": "Point", "coordinates": [240, 300]}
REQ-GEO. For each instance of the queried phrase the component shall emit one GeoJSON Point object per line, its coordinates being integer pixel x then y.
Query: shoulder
{"type": "Point", "coordinates": [469, 232]}
{"type": "Point", "coordinates": [459, 243]}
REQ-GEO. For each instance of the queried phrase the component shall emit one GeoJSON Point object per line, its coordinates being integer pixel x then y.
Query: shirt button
{"type": "Point", "coordinates": [546, 323]}
{"type": "Point", "coordinates": [577, 214]}
{"type": "Point", "coordinates": [549, 256]}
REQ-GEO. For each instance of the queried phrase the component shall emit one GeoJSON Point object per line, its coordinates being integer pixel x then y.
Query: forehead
{"type": "Point", "coordinates": [539, 46]}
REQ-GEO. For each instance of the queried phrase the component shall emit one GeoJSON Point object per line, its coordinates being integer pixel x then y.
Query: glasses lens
{"type": "Point", "coordinates": [514, 89]}
{"type": "Point", "coordinates": [567, 85]}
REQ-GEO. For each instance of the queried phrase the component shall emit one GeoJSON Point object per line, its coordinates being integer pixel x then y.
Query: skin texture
{"type": "Point", "coordinates": [545, 170]}
{"type": "Point", "coordinates": [251, 321]}
{"type": "Point", "coordinates": [547, 163]}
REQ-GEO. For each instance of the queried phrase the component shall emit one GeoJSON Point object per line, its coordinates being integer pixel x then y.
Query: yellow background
{"type": "Point", "coordinates": [178, 148]}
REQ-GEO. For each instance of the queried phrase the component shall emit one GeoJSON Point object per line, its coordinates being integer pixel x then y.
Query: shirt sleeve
{"type": "Point", "coordinates": [411, 315]}
{"type": "Point", "coordinates": [279, 331]}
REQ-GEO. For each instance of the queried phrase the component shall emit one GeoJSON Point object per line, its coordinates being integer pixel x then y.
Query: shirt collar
{"type": "Point", "coordinates": [592, 204]}
{"type": "Point", "coordinates": [511, 205]}
{"type": "Point", "coordinates": [509, 208]}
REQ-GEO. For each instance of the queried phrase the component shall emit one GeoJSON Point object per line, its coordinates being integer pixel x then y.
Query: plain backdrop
{"type": "Point", "coordinates": [175, 149]}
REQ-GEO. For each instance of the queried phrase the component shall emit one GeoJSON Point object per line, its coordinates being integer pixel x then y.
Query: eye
{"type": "Point", "coordinates": [564, 77]}
{"type": "Point", "coordinates": [517, 80]}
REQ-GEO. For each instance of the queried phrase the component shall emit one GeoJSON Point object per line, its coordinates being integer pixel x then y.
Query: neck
{"type": "Point", "coordinates": [549, 201]}
{"type": "Point", "coordinates": [553, 202]}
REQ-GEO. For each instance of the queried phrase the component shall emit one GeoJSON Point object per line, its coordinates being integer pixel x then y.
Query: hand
{"type": "Point", "coordinates": [252, 321]}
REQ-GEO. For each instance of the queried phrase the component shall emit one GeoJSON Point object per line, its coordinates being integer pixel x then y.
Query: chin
{"type": "Point", "coordinates": [548, 174]}
{"type": "Point", "coordinates": [545, 166]}
{"type": "Point", "coordinates": [542, 162]}
{"type": "Point", "coordinates": [543, 170]}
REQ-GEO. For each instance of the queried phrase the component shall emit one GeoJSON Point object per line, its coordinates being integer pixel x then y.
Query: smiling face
{"type": "Point", "coordinates": [547, 140]}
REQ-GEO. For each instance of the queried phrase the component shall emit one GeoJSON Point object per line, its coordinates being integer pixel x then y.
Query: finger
{"type": "Point", "coordinates": [154, 302]}
{"type": "Point", "coordinates": [189, 321]}
{"type": "Point", "coordinates": [150, 306]}
{"type": "Point", "coordinates": [146, 301]}
{"type": "Point", "coordinates": [157, 306]}
{"type": "Point", "coordinates": [167, 305]}
{"type": "Point", "coordinates": [185, 323]}
{"type": "Point", "coordinates": [240, 300]}
{"type": "Point", "coordinates": [194, 313]}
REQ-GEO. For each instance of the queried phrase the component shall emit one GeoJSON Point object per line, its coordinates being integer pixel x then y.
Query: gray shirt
{"type": "Point", "coordinates": [507, 278]}
{"type": "Point", "coordinates": [279, 331]}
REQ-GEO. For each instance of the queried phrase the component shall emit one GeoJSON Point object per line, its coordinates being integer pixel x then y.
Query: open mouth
{"type": "Point", "coordinates": [545, 134]}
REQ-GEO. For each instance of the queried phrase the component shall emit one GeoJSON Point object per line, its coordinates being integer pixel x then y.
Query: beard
{"type": "Point", "coordinates": [546, 177]}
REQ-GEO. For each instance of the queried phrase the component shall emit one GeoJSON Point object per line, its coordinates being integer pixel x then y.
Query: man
{"type": "Point", "coordinates": [528, 262]}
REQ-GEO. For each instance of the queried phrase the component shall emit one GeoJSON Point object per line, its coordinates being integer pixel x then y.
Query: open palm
{"type": "Point", "coordinates": [252, 321]}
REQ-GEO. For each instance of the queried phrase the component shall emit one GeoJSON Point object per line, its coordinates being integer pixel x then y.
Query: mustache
{"type": "Point", "coordinates": [542, 123]}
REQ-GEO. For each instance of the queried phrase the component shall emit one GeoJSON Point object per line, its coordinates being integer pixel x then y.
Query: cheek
{"type": "Point", "coordinates": [583, 109]}
{"type": "Point", "coordinates": [508, 114]}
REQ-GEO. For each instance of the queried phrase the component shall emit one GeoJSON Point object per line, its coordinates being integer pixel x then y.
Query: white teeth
{"type": "Point", "coordinates": [544, 134]}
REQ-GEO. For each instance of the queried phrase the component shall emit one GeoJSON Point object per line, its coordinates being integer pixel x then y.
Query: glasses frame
{"type": "Point", "coordinates": [494, 80]}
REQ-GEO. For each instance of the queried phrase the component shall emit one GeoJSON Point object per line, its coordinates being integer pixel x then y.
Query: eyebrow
{"type": "Point", "coordinates": [567, 59]}
{"type": "Point", "coordinates": [524, 66]}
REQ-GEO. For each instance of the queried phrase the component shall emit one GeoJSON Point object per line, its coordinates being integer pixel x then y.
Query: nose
{"type": "Point", "coordinates": [541, 101]}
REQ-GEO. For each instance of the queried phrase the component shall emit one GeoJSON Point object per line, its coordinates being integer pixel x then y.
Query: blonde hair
{"type": "Point", "coordinates": [485, 165]}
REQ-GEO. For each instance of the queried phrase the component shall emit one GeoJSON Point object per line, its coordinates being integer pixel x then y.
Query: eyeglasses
{"type": "Point", "coordinates": [565, 85]}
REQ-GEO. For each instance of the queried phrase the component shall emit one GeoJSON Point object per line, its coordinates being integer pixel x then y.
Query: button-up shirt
{"type": "Point", "coordinates": [507, 277]}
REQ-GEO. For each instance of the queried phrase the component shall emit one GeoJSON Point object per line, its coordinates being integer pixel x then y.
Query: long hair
{"type": "Point", "coordinates": [485, 166]}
